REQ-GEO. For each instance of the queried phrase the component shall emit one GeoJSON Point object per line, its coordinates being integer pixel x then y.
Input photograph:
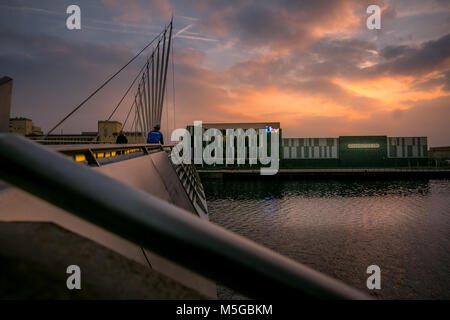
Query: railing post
{"type": "Point", "coordinates": [90, 158]}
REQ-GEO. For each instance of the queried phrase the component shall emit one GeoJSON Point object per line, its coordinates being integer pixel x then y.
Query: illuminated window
{"type": "Point", "coordinates": [363, 145]}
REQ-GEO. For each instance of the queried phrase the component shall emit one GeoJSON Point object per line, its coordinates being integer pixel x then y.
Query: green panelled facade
{"type": "Point", "coordinates": [354, 152]}
{"type": "Point", "coordinates": [309, 153]}
{"type": "Point", "coordinates": [362, 151]}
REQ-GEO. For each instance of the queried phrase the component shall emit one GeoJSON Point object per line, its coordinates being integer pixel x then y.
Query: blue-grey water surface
{"type": "Point", "coordinates": [342, 227]}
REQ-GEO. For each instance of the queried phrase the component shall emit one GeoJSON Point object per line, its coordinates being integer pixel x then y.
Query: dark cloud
{"type": "Point", "coordinates": [59, 50]}
{"type": "Point", "coordinates": [276, 25]}
{"type": "Point", "coordinates": [392, 52]}
{"type": "Point", "coordinates": [326, 58]}
{"type": "Point", "coordinates": [261, 71]}
{"type": "Point", "coordinates": [339, 57]}
{"type": "Point", "coordinates": [406, 60]}
{"type": "Point", "coordinates": [345, 58]}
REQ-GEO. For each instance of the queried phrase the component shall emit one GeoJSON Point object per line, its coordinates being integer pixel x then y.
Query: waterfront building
{"type": "Point", "coordinates": [22, 126]}
{"type": "Point", "coordinates": [439, 155]}
{"type": "Point", "coordinates": [108, 130]}
{"type": "Point", "coordinates": [354, 151]}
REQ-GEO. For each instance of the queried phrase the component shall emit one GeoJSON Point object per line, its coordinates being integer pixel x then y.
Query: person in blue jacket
{"type": "Point", "coordinates": [155, 136]}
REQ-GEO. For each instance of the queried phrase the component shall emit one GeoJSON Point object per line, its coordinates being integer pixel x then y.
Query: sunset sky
{"type": "Point", "coordinates": [312, 65]}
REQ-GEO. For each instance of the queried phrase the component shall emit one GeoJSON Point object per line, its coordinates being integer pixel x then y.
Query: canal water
{"type": "Point", "coordinates": [341, 227]}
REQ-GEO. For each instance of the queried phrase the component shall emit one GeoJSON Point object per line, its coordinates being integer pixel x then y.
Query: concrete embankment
{"type": "Point", "coordinates": [339, 173]}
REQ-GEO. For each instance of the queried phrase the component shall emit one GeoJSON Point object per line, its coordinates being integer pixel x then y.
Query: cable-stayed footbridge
{"type": "Point", "coordinates": [135, 223]}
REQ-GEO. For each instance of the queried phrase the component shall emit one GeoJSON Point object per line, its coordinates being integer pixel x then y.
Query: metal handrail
{"type": "Point", "coordinates": [157, 225]}
{"type": "Point", "coordinates": [190, 180]}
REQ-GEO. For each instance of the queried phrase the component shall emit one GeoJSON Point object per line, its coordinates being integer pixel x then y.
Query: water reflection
{"type": "Point", "coordinates": [278, 189]}
{"type": "Point", "coordinates": [340, 228]}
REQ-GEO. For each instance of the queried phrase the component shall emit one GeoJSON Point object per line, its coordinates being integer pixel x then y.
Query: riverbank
{"type": "Point", "coordinates": [328, 173]}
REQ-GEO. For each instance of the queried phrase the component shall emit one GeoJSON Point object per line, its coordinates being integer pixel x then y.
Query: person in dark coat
{"type": "Point", "coordinates": [121, 139]}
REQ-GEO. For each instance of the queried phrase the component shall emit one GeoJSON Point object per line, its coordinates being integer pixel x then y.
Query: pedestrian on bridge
{"type": "Point", "coordinates": [121, 138]}
{"type": "Point", "coordinates": [155, 136]}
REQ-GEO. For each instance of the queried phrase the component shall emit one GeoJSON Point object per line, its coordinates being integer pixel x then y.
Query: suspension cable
{"type": "Point", "coordinates": [125, 94]}
{"type": "Point", "coordinates": [104, 84]}
{"type": "Point", "coordinates": [126, 119]}
{"type": "Point", "coordinates": [173, 86]}
{"type": "Point", "coordinates": [120, 102]}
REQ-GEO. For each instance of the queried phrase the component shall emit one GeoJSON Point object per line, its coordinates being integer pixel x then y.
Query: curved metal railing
{"type": "Point", "coordinates": [189, 178]}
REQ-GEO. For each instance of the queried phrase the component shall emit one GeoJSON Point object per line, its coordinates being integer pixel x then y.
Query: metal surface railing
{"type": "Point", "coordinates": [92, 153]}
{"type": "Point", "coordinates": [189, 178]}
{"type": "Point", "coordinates": [157, 225]}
